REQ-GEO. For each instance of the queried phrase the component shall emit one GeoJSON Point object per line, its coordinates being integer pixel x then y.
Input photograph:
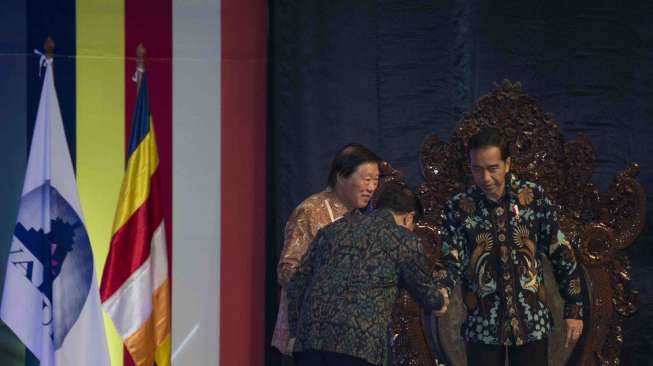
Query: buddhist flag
{"type": "Point", "coordinates": [135, 288]}
{"type": "Point", "coordinates": [50, 298]}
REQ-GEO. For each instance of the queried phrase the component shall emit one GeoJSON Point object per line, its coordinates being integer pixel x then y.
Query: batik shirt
{"type": "Point", "coordinates": [496, 249]}
{"type": "Point", "coordinates": [341, 297]}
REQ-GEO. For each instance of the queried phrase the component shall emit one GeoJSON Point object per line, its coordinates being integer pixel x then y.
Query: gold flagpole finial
{"type": "Point", "coordinates": [48, 47]}
{"type": "Point", "coordinates": [140, 56]}
{"type": "Point", "coordinates": [140, 64]}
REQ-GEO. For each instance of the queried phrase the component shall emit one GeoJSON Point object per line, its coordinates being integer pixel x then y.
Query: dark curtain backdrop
{"type": "Point", "coordinates": [386, 73]}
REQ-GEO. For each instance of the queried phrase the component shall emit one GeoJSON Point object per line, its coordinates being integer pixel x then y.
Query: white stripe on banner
{"type": "Point", "coordinates": [196, 182]}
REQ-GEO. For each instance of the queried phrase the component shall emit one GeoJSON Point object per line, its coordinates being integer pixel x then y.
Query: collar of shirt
{"type": "Point", "coordinates": [384, 214]}
{"type": "Point", "coordinates": [509, 195]}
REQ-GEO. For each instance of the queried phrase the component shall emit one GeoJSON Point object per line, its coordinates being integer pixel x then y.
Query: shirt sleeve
{"type": "Point", "coordinates": [454, 258]}
{"type": "Point", "coordinates": [415, 274]}
{"type": "Point", "coordinates": [300, 231]}
{"type": "Point", "coordinates": [562, 257]}
{"type": "Point", "coordinates": [298, 282]}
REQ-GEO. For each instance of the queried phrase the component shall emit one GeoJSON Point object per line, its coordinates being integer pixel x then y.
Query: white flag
{"type": "Point", "coordinates": [50, 297]}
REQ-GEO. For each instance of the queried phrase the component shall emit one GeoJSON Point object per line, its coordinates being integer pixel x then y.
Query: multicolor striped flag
{"type": "Point", "coordinates": [50, 298]}
{"type": "Point", "coordinates": [135, 288]}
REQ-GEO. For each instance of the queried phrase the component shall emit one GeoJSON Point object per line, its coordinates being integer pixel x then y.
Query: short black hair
{"type": "Point", "coordinates": [488, 137]}
{"type": "Point", "coordinates": [399, 199]}
{"type": "Point", "coordinates": [347, 160]}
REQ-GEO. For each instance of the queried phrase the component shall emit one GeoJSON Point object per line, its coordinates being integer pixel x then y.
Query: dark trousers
{"type": "Point", "coordinates": [324, 358]}
{"type": "Point", "coordinates": [530, 354]}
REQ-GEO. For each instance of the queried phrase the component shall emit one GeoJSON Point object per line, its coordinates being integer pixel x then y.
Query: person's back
{"type": "Point", "coordinates": [342, 296]}
{"type": "Point", "coordinates": [353, 285]}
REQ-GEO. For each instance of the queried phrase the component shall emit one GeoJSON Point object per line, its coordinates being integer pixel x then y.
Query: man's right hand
{"type": "Point", "coordinates": [445, 302]}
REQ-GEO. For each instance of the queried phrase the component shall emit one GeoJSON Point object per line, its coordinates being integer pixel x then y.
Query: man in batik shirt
{"type": "Point", "coordinates": [352, 180]}
{"type": "Point", "coordinates": [495, 236]}
{"type": "Point", "coordinates": [341, 297]}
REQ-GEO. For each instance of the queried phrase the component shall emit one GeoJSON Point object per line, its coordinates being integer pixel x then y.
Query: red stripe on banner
{"type": "Point", "coordinates": [130, 245]}
{"type": "Point", "coordinates": [243, 131]}
{"type": "Point", "coordinates": [150, 22]}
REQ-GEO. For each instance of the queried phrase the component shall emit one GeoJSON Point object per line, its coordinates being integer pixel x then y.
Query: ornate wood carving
{"type": "Point", "coordinates": [601, 224]}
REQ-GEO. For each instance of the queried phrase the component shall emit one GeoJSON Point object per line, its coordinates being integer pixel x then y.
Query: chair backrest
{"type": "Point", "coordinates": [600, 224]}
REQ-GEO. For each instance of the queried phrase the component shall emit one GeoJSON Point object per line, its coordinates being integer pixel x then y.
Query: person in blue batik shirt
{"type": "Point", "coordinates": [341, 297]}
{"type": "Point", "coordinates": [495, 236]}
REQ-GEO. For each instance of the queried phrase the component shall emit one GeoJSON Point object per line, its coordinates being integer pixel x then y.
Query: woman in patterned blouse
{"type": "Point", "coordinates": [352, 180]}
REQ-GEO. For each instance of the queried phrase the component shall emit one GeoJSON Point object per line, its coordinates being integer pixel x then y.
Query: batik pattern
{"type": "Point", "coordinates": [496, 249]}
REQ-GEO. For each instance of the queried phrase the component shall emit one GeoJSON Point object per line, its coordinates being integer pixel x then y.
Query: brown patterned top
{"type": "Point", "coordinates": [310, 216]}
{"type": "Point", "coordinates": [317, 211]}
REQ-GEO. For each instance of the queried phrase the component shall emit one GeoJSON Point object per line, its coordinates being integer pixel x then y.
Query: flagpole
{"type": "Point", "coordinates": [140, 64]}
{"type": "Point", "coordinates": [48, 48]}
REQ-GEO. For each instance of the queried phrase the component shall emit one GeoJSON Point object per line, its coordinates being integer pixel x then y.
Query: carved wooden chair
{"type": "Point", "coordinates": [602, 224]}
